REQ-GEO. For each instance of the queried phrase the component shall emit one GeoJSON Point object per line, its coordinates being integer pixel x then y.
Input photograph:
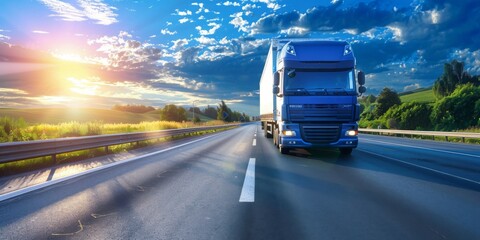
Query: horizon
{"type": "Point", "coordinates": [96, 54]}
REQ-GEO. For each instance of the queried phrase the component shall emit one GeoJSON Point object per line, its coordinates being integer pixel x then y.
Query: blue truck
{"type": "Point", "coordinates": [308, 95]}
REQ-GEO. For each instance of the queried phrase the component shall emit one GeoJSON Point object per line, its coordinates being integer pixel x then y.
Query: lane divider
{"type": "Point", "coordinates": [248, 189]}
{"type": "Point", "coordinates": [422, 167]}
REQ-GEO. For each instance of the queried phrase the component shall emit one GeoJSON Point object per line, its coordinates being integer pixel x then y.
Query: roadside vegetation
{"type": "Point", "coordinates": [170, 117]}
{"type": "Point", "coordinates": [455, 106]}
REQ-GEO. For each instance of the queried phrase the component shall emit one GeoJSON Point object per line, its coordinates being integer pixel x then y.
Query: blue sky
{"type": "Point", "coordinates": [97, 53]}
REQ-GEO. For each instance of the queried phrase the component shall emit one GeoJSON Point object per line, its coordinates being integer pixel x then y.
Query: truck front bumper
{"type": "Point", "coordinates": [295, 142]}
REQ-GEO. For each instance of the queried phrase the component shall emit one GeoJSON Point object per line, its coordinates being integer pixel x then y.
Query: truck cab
{"type": "Point", "coordinates": [313, 90]}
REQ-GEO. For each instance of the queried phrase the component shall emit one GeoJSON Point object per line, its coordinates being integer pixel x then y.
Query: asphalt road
{"type": "Point", "coordinates": [389, 188]}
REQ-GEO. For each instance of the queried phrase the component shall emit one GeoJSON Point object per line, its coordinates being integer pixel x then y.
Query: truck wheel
{"type": "Point", "coordinates": [275, 138]}
{"type": "Point", "coordinates": [346, 151]}
{"type": "Point", "coordinates": [265, 131]}
{"type": "Point", "coordinates": [283, 150]}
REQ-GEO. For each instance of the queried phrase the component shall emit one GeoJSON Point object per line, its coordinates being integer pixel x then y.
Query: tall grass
{"type": "Point", "coordinates": [12, 130]}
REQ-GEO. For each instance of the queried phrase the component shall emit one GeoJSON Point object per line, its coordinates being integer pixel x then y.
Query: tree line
{"type": "Point", "coordinates": [172, 112]}
{"type": "Point", "coordinates": [457, 105]}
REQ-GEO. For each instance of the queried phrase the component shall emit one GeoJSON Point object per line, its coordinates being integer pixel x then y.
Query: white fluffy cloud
{"type": "Point", "coordinates": [86, 9]}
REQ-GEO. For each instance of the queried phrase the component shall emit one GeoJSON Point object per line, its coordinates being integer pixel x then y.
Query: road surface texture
{"type": "Point", "coordinates": [236, 185]}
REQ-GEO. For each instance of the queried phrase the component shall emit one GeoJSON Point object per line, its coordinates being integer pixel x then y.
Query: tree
{"type": "Point", "coordinates": [224, 112]}
{"type": "Point", "coordinates": [133, 108]}
{"type": "Point", "coordinates": [409, 116]}
{"type": "Point", "coordinates": [196, 109]}
{"type": "Point", "coordinates": [370, 99]}
{"type": "Point", "coordinates": [210, 112]}
{"type": "Point", "coordinates": [386, 100]}
{"type": "Point", "coordinates": [173, 113]}
{"type": "Point", "coordinates": [453, 75]}
{"type": "Point", "coordinates": [459, 110]}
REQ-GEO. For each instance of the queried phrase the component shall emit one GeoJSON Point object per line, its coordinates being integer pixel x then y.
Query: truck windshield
{"type": "Point", "coordinates": [318, 81]}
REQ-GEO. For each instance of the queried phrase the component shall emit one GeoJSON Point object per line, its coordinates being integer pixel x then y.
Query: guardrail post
{"type": "Point", "coordinates": [463, 139]}
{"type": "Point", "coordinates": [446, 138]}
{"type": "Point", "coordinates": [106, 149]}
{"type": "Point", "coordinates": [54, 159]}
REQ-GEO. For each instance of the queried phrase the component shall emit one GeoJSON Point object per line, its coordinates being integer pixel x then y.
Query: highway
{"type": "Point", "coordinates": [236, 185]}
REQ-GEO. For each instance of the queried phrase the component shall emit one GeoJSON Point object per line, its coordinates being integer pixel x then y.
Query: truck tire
{"type": "Point", "coordinates": [283, 150]}
{"type": "Point", "coordinates": [265, 131]}
{"type": "Point", "coordinates": [275, 138]}
{"type": "Point", "coordinates": [346, 151]}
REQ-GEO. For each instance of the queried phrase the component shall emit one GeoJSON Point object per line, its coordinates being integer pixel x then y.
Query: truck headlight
{"type": "Point", "coordinates": [351, 133]}
{"type": "Point", "coordinates": [288, 133]}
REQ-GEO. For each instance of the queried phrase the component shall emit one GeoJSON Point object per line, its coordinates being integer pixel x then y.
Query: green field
{"type": "Point", "coordinates": [62, 115]}
{"type": "Point", "coordinates": [423, 95]}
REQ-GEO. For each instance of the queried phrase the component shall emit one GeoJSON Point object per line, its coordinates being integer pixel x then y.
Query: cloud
{"type": "Point", "coordinates": [272, 4]}
{"type": "Point", "coordinates": [167, 32]}
{"type": "Point", "coordinates": [125, 53]}
{"type": "Point", "coordinates": [470, 58]}
{"type": "Point", "coordinates": [295, 32]}
{"type": "Point", "coordinates": [201, 8]}
{"type": "Point", "coordinates": [239, 22]}
{"type": "Point", "coordinates": [184, 20]}
{"type": "Point", "coordinates": [16, 54]}
{"type": "Point", "coordinates": [87, 9]}
{"type": "Point", "coordinates": [239, 60]}
{"type": "Point", "coordinates": [411, 87]}
{"type": "Point", "coordinates": [40, 32]}
{"type": "Point", "coordinates": [211, 31]}
{"type": "Point", "coordinates": [182, 13]}
{"type": "Point", "coordinates": [228, 3]}
{"type": "Point", "coordinates": [179, 43]}
{"type": "Point", "coordinates": [205, 40]}
{"type": "Point", "coordinates": [360, 18]}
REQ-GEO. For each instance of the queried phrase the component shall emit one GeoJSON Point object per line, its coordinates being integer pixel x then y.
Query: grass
{"type": "Point", "coordinates": [424, 96]}
{"type": "Point", "coordinates": [438, 138]}
{"type": "Point", "coordinates": [61, 115]}
{"type": "Point", "coordinates": [47, 161]}
{"type": "Point", "coordinates": [12, 130]}
{"type": "Point", "coordinates": [50, 123]}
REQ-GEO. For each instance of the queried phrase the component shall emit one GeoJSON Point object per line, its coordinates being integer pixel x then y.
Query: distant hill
{"type": "Point", "coordinates": [202, 117]}
{"type": "Point", "coordinates": [59, 115]}
{"type": "Point", "coordinates": [424, 95]}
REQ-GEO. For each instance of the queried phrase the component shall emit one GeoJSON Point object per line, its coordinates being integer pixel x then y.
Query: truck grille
{"type": "Point", "coordinates": [321, 134]}
{"type": "Point", "coordinates": [321, 112]}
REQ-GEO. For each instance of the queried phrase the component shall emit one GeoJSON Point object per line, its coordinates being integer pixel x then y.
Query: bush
{"type": "Point", "coordinates": [409, 116]}
{"type": "Point", "coordinates": [459, 110]}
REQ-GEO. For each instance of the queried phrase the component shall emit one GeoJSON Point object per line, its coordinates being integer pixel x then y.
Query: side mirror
{"type": "Point", "coordinates": [361, 78]}
{"type": "Point", "coordinates": [291, 73]}
{"type": "Point", "coordinates": [362, 89]}
{"type": "Point", "coordinates": [276, 79]}
{"type": "Point", "coordinates": [276, 90]}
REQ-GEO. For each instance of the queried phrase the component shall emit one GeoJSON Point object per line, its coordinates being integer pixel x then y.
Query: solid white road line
{"type": "Point", "coordinates": [22, 191]}
{"type": "Point", "coordinates": [248, 189]}
{"type": "Point", "coordinates": [254, 142]}
{"type": "Point", "coordinates": [423, 148]}
{"type": "Point", "coordinates": [422, 167]}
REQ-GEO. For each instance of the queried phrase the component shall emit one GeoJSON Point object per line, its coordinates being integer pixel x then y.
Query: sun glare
{"type": "Point", "coordinates": [48, 100]}
{"type": "Point", "coordinates": [83, 86]}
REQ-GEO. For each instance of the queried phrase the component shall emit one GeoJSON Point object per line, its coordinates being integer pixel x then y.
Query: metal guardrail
{"type": "Point", "coordinates": [15, 151]}
{"type": "Point", "coordinates": [433, 134]}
